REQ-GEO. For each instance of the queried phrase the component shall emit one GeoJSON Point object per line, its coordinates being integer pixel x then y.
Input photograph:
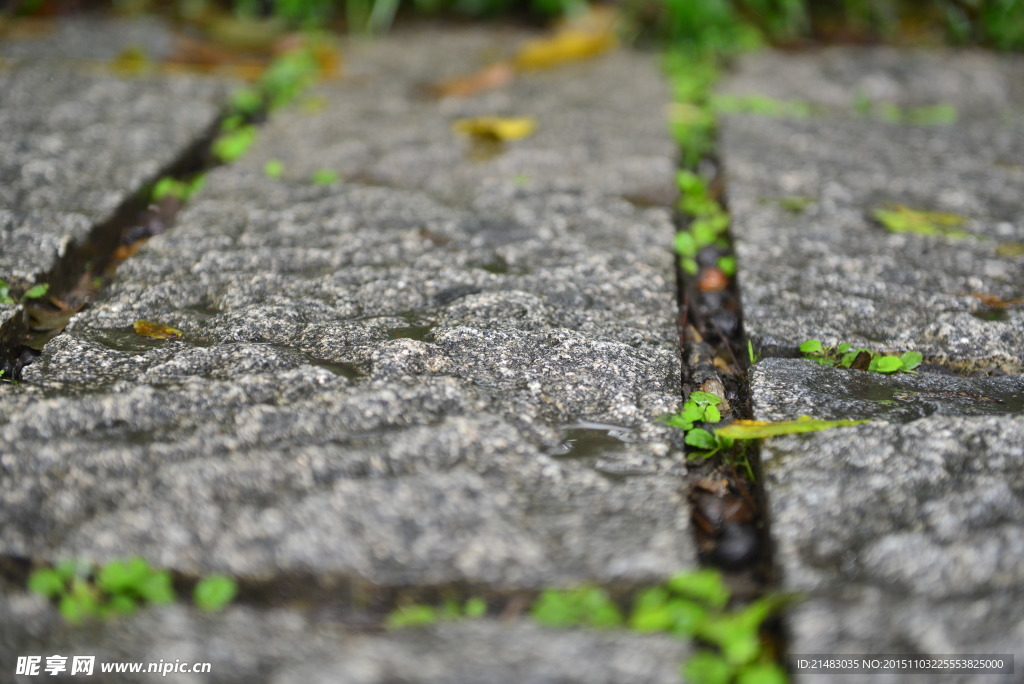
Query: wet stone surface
{"type": "Point", "coordinates": [906, 534]}
{"type": "Point", "coordinates": [375, 377]}
{"type": "Point", "coordinates": [831, 272]}
{"type": "Point", "coordinates": [78, 142]}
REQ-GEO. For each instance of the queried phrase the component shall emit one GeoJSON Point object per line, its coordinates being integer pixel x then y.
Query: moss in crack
{"type": "Point", "coordinates": [694, 606]}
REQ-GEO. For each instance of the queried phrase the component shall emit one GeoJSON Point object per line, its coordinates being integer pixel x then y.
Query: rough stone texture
{"type": "Point", "coordinates": [904, 538]}
{"type": "Point", "coordinates": [76, 144]}
{"type": "Point", "coordinates": [383, 384]}
{"type": "Point", "coordinates": [575, 146]}
{"type": "Point", "coordinates": [831, 272]}
{"type": "Point", "coordinates": [906, 535]}
{"type": "Point", "coordinates": [281, 646]}
{"type": "Point", "coordinates": [783, 388]}
{"type": "Point", "coordinates": [90, 37]}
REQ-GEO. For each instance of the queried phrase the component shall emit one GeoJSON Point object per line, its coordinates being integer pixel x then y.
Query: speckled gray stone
{"type": "Point", "coordinates": [387, 384]}
{"type": "Point", "coordinates": [288, 645]}
{"type": "Point", "coordinates": [906, 534]}
{"type": "Point", "coordinates": [831, 272]}
{"type": "Point", "coordinates": [80, 37]}
{"type": "Point", "coordinates": [76, 144]}
{"type": "Point", "coordinates": [586, 138]}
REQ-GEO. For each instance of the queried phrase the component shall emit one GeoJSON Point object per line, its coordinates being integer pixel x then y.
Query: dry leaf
{"type": "Point", "coordinates": [757, 429]}
{"type": "Point", "coordinates": [995, 301]}
{"type": "Point", "coordinates": [494, 128]}
{"type": "Point", "coordinates": [490, 77]}
{"type": "Point", "coordinates": [156, 330]}
{"type": "Point", "coordinates": [567, 46]}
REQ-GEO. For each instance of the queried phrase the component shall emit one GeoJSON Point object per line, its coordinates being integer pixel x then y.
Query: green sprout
{"type": "Point", "coordinates": [709, 221]}
{"type": "Point", "coordinates": [234, 142]}
{"type": "Point", "coordinates": [117, 588]}
{"type": "Point", "coordinates": [418, 614]}
{"type": "Point", "coordinates": [34, 292]}
{"type": "Point", "coordinates": [751, 356]}
{"type": "Point", "coordinates": [586, 606]}
{"type": "Point", "coordinates": [860, 358]}
{"type": "Point", "coordinates": [325, 177]}
{"type": "Point", "coordinates": [273, 168]}
{"type": "Point", "coordinates": [691, 605]}
{"type": "Point", "coordinates": [83, 592]}
{"type": "Point", "coordinates": [214, 592]}
{"type": "Point", "coordinates": [179, 189]}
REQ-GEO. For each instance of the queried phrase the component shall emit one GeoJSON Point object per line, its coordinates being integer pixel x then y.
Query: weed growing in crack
{"type": "Point", "coordinates": [34, 292]}
{"type": "Point", "coordinates": [708, 226]}
{"type": "Point", "coordinates": [179, 189]}
{"type": "Point", "coordinates": [690, 605]}
{"type": "Point", "coordinates": [119, 588]}
{"type": "Point", "coordinates": [702, 408]}
{"type": "Point", "coordinates": [420, 614]}
{"type": "Point", "coordinates": [846, 356]}
{"type": "Point", "coordinates": [752, 357]}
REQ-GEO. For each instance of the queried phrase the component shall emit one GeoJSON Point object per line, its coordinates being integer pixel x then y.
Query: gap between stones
{"type": "Point", "coordinates": [72, 279]}
{"type": "Point", "coordinates": [728, 510]}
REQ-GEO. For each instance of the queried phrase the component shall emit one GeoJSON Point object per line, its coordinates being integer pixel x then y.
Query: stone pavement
{"type": "Point", "coordinates": [377, 385]}
{"type": "Point", "coordinates": [906, 535]}
{"type": "Point", "coordinates": [440, 373]}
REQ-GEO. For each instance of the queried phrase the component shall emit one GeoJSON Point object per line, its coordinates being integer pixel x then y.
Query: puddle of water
{"type": "Point", "coordinates": [345, 370]}
{"type": "Point", "coordinates": [587, 439]}
{"type": "Point", "coordinates": [421, 333]}
{"type": "Point", "coordinates": [127, 340]}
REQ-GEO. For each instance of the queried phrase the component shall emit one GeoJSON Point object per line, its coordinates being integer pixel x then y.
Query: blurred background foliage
{"type": "Point", "coordinates": [715, 25]}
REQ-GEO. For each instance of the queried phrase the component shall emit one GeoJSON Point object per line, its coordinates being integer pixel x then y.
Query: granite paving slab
{"type": "Point", "coordinates": [446, 378]}
{"type": "Point", "coordinates": [76, 144]}
{"type": "Point", "coordinates": [904, 534]}
{"type": "Point", "coordinates": [833, 273]}
{"type": "Point", "coordinates": [281, 646]}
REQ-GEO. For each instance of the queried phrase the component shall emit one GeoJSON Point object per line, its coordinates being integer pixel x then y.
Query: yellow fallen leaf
{"type": "Point", "coordinates": [567, 46]}
{"type": "Point", "coordinates": [757, 429]}
{"type": "Point", "coordinates": [495, 128]}
{"type": "Point", "coordinates": [157, 330]}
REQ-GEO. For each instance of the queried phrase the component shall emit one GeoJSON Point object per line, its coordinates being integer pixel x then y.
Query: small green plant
{"type": "Point", "coordinates": [751, 355]}
{"type": "Point", "coordinates": [690, 605]}
{"type": "Point", "coordinates": [702, 407]}
{"type": "Point", "coordinates": [325, 177]}
{"type": "Point", "coordinates": [419, 614]}
{"type": "Point", "coordinates": [273, 168]}
{"type": "Point", "coordinates": [586, 606]}
{"type": "Point", "coordinates": [179, 189]}
{"type": "Point", "coordinates": [708, 225]}
{"type": "Point", "coordinates": [214, 592]}
{"type": "Point", "coordinates": [117, 588]}
{"type": "Point", "coordinates": [120, 587]}
{"type": "Point", "coordinates": [846, 356]}
{"type": "Point", "coordinates": [7, 380]}
{"type": "Point", "coordinates": [34, 292]}
{"type": "Point", "coordinates": [234, 141]}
